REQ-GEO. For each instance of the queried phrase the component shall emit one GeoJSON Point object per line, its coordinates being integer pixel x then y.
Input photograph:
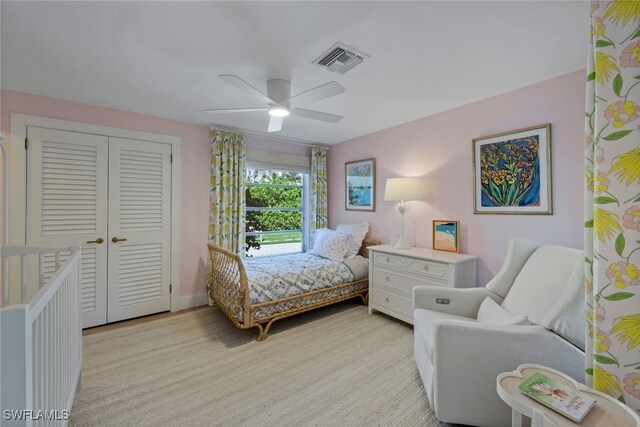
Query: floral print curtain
{"type": "Point", "coordinates": [318, 215]}
{"type": "Point", "coordinates": [612, 201]}
{"type": "Point", "coordinates": [226, 191]}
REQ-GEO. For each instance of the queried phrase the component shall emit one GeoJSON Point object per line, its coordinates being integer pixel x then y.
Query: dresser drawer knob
{"type": "Point", "coordinates": [386, 278]}
{"type": "Point", "coordinates": [386, 299]}
{"type": "Point", "coordinates": [426, 268]}
{"type": "Point", "coordinates": [388, 260]}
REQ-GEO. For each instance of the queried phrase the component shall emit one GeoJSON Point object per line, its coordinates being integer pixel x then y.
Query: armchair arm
{"type": "Point", "coordinates": [462, 302]}
{"type": "Point", "coordinates": [468, 357]}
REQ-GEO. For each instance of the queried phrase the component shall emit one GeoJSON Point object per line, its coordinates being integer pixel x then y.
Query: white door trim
{"type": "Point", "coordinates": [18, 185]}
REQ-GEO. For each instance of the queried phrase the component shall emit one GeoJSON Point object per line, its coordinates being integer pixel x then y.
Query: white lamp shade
{"type": "Point", "coordinates": [404, 189]}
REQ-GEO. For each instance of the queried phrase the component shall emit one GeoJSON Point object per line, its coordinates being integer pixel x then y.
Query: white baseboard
{"type": "Point", "coordinates": [191, 301]}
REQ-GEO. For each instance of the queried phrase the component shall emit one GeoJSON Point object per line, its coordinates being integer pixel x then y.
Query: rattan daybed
{"type": "Point", "coordinates": [229, 288]}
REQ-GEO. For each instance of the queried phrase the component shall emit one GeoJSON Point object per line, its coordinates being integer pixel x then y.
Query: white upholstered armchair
{"type": "Point", "coordinates": [459, 357]}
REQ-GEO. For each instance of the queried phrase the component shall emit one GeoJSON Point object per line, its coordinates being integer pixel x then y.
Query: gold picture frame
{"type": "Point", "coordinates": [446, 235]}
{"type": "Point", "coordinates": [512, 172]}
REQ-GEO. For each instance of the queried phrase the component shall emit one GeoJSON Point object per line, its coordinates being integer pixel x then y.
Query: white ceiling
{"type": "Point", "coordinates": [163, 58]}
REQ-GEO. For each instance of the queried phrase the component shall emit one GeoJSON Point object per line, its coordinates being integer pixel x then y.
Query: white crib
{"type": "Point", "coordinates": [40, 338]}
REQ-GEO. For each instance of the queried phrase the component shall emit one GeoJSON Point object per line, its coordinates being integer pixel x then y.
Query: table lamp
{"type": "Point", "coordinates": [403, 190]}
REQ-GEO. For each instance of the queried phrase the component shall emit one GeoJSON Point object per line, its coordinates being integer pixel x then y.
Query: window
{"type": "Point", "coordinates": [276, 213]}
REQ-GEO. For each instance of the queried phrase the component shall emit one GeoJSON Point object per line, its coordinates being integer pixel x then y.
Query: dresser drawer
{"type": "Point", "coordinates": [428, 268]}
{"type": "Point", "coordinates": [390, 261]}
{"type": "Point", "coordinates": [393, 304]}
{"type": "Point", "coordinates": [397, 281]}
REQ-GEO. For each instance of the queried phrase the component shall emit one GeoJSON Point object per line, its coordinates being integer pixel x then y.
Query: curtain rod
{"type": "Point", "coordinates": [271, 138]}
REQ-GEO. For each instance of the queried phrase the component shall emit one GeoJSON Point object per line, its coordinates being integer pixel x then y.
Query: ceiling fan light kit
{"type": "Point", "coordinates": [278, 111]}
{"type": "Point", "coordinates": [280, 103]}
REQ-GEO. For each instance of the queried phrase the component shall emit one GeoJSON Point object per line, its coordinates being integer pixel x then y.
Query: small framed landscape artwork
{"type": "Point", "coordinates": [445, 236]}
{"type": "Point", "coordinates": [512, 172]}
{"type": "Point", "coordinates": [360, 185]}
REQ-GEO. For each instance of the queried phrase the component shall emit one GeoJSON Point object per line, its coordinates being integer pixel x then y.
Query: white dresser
{"type": "Point", "coordinates": [393, 273]}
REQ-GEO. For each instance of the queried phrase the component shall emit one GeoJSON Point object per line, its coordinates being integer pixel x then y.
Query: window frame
{"type": "Point", "coordinates": [303, 209]}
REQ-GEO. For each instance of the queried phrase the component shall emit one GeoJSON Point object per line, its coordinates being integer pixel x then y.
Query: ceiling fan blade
{"type": "Point", "coordinates": [246, 87]}
{"type": "Point", "coordinates": [316, 115]}
{"type": "Point", "coordinates": [235, 110]}
{"type": "Point", "coordinates": [316, 94]}
{"type": "Point", "coordinates": [275, 124]}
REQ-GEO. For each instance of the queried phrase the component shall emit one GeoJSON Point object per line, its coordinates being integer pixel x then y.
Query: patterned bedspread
{"type": "Point", "coordinates": [283, 276]}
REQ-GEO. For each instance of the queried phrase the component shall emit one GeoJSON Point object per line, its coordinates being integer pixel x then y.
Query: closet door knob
{"type": "Point", "coordinates": [98, 240]}
{"type": "Point", "coordinates": [117, 239]}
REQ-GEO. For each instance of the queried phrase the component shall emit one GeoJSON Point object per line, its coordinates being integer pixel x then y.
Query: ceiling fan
{"type": "Point", "coordinates": [280, 103]}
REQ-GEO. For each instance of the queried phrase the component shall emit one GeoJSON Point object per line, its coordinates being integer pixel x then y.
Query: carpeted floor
{"type": "Point", "coordinates": [333, 366]}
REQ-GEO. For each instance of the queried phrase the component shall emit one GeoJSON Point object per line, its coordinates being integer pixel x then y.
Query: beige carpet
{"type": "Point", "coordinates": [333, 366]}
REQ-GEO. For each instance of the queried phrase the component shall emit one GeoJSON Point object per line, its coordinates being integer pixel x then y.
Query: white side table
{"type": "Point", "coordinates": [606, 412]}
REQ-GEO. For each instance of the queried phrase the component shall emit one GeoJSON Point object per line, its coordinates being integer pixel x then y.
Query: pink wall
{"type": "Point", "coordinates": [438, 148]}
{"type": "Point", "coordinates": [195, 165]}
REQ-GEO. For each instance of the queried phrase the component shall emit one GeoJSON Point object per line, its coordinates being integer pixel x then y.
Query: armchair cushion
{"type": "Point", "coordinates": [547, 284]}
{"type": "Point", "coordinates": [424, 329]}
{"type": "Point", "coordinates": [570, 325]}
{"type": "Point", "coordinates": [491, 312]}
{"type": "Point", "coordinates": [517, 255]}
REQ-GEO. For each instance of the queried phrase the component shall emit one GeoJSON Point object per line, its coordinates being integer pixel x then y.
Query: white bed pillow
{"type": "Point", "coordinates": [331, 244]}
{"type": "Point", "coordinates": [491, 312]}
{"type": "Point", "coordinates": [357, 232]}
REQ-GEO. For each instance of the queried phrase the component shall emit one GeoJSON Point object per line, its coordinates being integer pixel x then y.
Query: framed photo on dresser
{"type": "Point", "coordinates": [445, 236]}
{"type": "Point", "coordinates": [360, 185]}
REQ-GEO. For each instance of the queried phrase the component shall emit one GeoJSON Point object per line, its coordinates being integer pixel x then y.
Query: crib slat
{"type": "Point", "coordinates": [65, 345]}
{"type": "Point", "coordinates": [48, 376]}
{"type": "Point", "coordinates": [34, 366]}
{"type": "Point", "coordinates": [42, 360]}
{"type": "Point", "coordinates": [56, 356]}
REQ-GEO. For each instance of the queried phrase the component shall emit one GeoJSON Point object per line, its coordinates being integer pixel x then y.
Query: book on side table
{"type": "Point", "coordinates": [562, 399]}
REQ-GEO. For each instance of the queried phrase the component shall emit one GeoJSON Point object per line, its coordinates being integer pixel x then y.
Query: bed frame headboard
{"type": "Point", "coordinates": [364, 252]}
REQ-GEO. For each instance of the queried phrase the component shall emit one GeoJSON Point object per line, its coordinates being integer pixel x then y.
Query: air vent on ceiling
{"type": "Point", "coordinates": [340, 58]}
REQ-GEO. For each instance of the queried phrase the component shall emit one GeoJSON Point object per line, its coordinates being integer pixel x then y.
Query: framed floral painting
{"type": "Point", "coordinates": [512, 172]}
{"type": "Point", "coordinates": [360, 185]}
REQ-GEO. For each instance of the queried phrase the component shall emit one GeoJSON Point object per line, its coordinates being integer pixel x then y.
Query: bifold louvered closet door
{"type": "Point", "coordinates": [111, 196]}
{"type": "Point", "coordinates": [139, 209]}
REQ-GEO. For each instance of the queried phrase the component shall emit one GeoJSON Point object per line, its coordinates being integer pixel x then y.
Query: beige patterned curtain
{"type": "Point", "coordinates": [226, 191]}
{"type": "Point", "coordinates": [318, 216]}
{"type": "Point", "coordinates": [612, 201]}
